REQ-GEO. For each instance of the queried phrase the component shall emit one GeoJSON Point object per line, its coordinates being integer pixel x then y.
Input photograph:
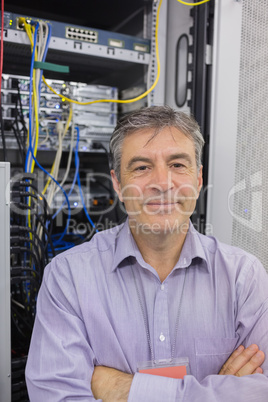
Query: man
{"type": "Point", "coordinates": [152, 290]}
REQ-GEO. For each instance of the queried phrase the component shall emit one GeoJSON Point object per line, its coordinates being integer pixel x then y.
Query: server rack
{"type": "Point", "coordinates": [112, 64]}
{"type": "Point", "coordinates": [5, 332]}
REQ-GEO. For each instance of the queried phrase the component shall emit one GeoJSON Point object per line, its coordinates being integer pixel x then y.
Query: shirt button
{"type": "Point", "coordinates": [162, 287]}
{"type": "Point", "coordinates": [162, 337]}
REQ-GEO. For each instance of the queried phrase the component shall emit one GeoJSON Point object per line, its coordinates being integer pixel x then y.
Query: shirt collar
{"type": "Point", "coordinates": [125, 246]}
{"type": "Point", "coordinates": [192, 249]}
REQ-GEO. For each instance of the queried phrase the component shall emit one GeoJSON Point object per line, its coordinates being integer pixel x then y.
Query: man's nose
{"type": "Point", "coordinates": [161, 179]}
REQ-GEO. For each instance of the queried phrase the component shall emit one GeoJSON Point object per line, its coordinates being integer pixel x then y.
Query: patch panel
{"type": "Point", "coordinates": [85, 35]}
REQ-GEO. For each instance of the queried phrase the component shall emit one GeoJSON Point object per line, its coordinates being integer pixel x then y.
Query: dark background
{"type": "Point", "coordinates": [101, 14]}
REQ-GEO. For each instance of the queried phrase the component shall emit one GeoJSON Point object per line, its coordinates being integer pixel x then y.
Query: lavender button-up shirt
{"type": "Point", "coordinates": [89, 313]}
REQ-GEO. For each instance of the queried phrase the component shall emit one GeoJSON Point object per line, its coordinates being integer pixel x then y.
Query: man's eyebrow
{"type": "Point", "coordinates": [181, 155]}
{"type": "Point", "coordinates": [172, 157]}
{"type": "Point", "coordinates": [137, 159]}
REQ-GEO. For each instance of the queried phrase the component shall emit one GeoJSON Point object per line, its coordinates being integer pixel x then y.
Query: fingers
{"type": "Point", "coordinates": [258, 370]}
{"type": "Point", "coordinates": [253, 364]}
{"type": "Point", "coordinates": [233, 356]}
{"type": "Point", "coordinates": [244, 362]}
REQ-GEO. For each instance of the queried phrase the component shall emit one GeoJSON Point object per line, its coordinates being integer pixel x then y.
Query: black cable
{"type": "Point", "coordinates": [20, 279]}
{"type": "Point", "coordinates": [23, 319]}
{"type": "Point", "coordinates": [17, 271]}
{"type": "Point", "coordinates": [43, 198]}
{"type": "Point", "coordinates": [17, 133]}
{"type": "Point", "coordinates": [24, 194]}
{"type": "Point", "coordinates": [23, 205]}
{"type": "Point", "coordinates": [17, 326]}
{"type": "Point", "coordinates": [48, 234]}
{"type": "Point", "coordinates": [19, 249]}
{"type": "Point", "coordinates": [14, 229]}
{"type": "Point", "coordinates": [99, 145]}
{"type": "Point", "coordinates": [24, 239]}
{"type": "Point", "coordinates": [22, 117]}
{"type": "Point", "coordinates": [46, 213]}
{"type": "Point", "coordinates": [19, 144]}
{"type": "Point", "coordinates": [17, 114]}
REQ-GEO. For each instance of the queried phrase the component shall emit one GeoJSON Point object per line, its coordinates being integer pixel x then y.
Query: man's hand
{"type": "Point", "coordinates": [110, 385]}
{"type": "Point", "coordinates": [244, 362]}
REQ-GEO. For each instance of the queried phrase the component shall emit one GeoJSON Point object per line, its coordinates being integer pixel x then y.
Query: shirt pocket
{"type": "Point", "coordinates": [211, 354]}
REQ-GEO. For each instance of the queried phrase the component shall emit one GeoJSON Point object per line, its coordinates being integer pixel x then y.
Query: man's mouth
{"type": "Point", "coordinates": [161, 203]}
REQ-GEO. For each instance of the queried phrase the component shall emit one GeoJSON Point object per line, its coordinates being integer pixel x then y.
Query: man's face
{"type": "Point", "coordinates": [159, 179]}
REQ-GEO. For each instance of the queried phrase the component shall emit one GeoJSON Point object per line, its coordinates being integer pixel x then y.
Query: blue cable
{"type": "Point", "coordinates": [73, 183]}
{"type": "Point", "coordinates": [76, 178]}
{"type": "Point", "coordinates": [31, 77]}
{"type": "Point", "coordinates": [30, 99]}
{"type": "Point", "coordinates": [48, 40]}
{"type": "Point", "coordinates": [79, 183]}
{"type": "Point", "coordinates": [30, 149]}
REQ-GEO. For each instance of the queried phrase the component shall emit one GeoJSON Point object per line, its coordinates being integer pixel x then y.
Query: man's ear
{"type": "Point", "coordinates": [116, 185]}
{"type": "Point", "coordinates": [200, 179]}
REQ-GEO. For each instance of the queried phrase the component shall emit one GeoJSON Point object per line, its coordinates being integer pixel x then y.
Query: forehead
{"type": "Point", "coordinates": [152, 140]}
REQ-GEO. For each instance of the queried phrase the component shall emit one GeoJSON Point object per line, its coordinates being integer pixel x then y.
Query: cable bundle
{"type": "Point", "coordinates": [29, 253]}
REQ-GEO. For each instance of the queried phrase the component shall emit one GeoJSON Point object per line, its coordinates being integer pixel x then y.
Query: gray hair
{"type": "Point", "coordinates": [157, 117]}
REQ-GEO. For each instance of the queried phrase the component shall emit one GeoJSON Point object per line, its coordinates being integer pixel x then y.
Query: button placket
{"type": "Point", "coordinates": [161, 323]}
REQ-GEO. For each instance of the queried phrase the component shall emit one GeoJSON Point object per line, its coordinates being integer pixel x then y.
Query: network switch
{"type": "Point", "coordinates": [80, 39]}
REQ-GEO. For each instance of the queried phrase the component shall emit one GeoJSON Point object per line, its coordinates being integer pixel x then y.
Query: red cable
{"type": "Point", "coordinates": [2, 45]}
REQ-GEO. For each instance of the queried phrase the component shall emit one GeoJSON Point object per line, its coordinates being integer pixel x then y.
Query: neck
{"type": "Point", "coordinates": [161, 250]}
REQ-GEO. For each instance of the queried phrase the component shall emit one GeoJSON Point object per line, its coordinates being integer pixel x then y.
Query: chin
{"type": "Point", "coordinates": [160, 225]}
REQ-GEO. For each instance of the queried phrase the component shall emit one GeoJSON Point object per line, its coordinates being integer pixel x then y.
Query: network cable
{"type": "Point", "coordinates": [193, 4]}
{"type": "Point", "coordinates": [79, 183]}
{"type": "Point", "coordinates": [30, 138]}
{"type": "Point", "coordinates": [117, 100]}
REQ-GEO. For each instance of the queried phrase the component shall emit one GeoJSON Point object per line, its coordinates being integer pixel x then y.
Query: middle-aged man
{"type": "Point", "coordinates": [152, 292]}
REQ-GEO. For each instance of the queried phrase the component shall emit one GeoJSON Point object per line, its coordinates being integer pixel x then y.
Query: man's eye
{"type": "Point", "coordinates": [141, 168]}
{"type": "Point", "coordinates": [178, 165]}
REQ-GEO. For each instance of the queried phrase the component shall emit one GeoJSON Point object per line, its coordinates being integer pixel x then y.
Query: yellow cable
{"type": "Point", "coordinates": [29, 33]}
{"type": "Point", "coordinates": [30, 30]}
{"type": "Point", "coordinates": [36, 123]}
{"type": "Point", "coordinates": [127, 100]}
{"type": "Point", "coordinates": [35, 145]}
{"type": "Point", "coordinates": [193, 4]}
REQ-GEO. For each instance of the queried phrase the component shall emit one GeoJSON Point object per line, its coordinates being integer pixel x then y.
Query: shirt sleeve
{"type": "Point", "coordinates": [60, 361]}
{"type": "Point", "coordinates": [251, 327]}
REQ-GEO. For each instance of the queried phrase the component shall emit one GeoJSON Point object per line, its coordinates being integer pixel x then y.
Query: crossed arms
{"type": "Point", "coordinates": [64, 361]}
{"type": "Point", "coordinates": [112, 385]}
